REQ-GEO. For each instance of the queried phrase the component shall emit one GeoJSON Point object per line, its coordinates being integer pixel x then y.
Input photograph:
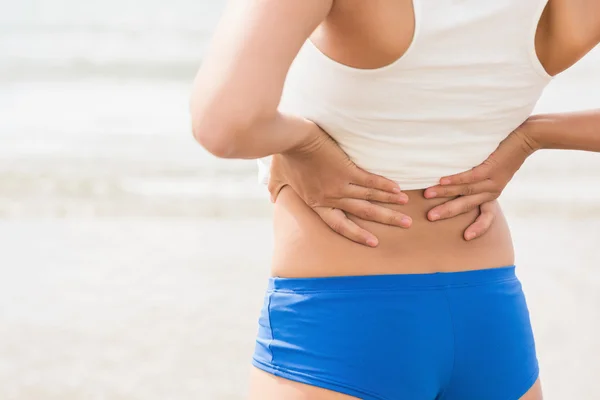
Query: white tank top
{"type": "Point", "coordinates": [470, 77]}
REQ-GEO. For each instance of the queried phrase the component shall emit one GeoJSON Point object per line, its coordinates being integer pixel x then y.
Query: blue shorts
{"type": "Point", "coordinates": [444, 336]}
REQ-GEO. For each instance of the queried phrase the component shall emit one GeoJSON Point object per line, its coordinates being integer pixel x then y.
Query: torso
{"type": "Point", "coordinates": [360, 36]}
{"type": "Point", "coordinates": [306, 246]}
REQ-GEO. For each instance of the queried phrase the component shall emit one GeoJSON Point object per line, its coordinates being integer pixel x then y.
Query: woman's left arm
{"type": "Point", "coordinates": [238, 88]}
{"type": "Point", "coordinates": [235, 114]}
{"type": "Point", "coordinates": [485, 183]}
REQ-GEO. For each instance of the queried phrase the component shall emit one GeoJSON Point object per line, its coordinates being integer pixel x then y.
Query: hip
{"type": "Point", "coordinates": [464, 334]}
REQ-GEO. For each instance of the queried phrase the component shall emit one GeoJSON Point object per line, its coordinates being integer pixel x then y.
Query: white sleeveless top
{"type": "Point", "coordinates": [470, 77]}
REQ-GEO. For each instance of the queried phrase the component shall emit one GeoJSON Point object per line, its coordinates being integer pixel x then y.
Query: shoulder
{"type": "Point", "coordinates": [576, 21]}
{"type": "Point", "coordinates": [569, 29]}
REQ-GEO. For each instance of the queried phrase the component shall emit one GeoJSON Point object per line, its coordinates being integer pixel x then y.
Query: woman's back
{"type": "Point", "coordinates": [438, 97]}
{"type": "Point", "coordinates": [412, 91]}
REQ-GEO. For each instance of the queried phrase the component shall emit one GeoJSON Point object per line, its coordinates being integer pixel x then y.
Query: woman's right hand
{"type": "Point", "coordinates": [332, 185]}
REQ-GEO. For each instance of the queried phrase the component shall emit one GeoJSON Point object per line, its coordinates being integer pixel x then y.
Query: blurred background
{"type": "Point", "coordinates": [133, 263]}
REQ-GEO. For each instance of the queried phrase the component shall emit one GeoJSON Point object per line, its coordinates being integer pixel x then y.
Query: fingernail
{"type": "Point", "coordinates": [406, 221]}
{"type": "Point", "coordinates": [430, 194]}
{"type": "Point", "coordinates": [470, 235]}
{"type": "Point", "coordinates": [372, 242]}
{"type": "Point", "coordinates": [445, 181]}
{"type": "Point", "coordinates": [434, 216]}
{"type": "Point", "coordinates": [403, 198]}
{"type": "Point", "coordinates": [396, 190]}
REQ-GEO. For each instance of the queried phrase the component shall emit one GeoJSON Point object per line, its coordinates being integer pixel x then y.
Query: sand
{"type": "Point", "coordinates": [167, 308]}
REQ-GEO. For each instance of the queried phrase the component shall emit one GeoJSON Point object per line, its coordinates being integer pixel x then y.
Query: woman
{"type": "Point", "coordinates": [357, 100]}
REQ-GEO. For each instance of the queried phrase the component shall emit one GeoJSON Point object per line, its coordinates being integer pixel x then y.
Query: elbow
{"type": "Point", "coordinates": [217, 139]}
{"type": "Point", "coordinates": [210, 128]}
{"type": "Point", "coordinates": [224, 127]}
{"type": "Point", "coordinates": [219, 132]}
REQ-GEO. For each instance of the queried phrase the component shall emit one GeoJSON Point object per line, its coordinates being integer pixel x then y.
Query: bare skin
{"type": "Point", "coordinates": [369, 36]}
{"type": "Point", "coordinates": [268, 387]}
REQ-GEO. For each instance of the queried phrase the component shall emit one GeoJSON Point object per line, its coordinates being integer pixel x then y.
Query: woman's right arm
{"type": "Point", "coordinates": [562, 131]}
{"type": "Point", "coordinates": [575, 30]}
{"type": "Point", "coordinates": [566, 131]}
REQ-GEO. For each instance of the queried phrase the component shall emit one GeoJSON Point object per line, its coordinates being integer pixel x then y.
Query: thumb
{"type": "Point", "coordinates": [275, 186]}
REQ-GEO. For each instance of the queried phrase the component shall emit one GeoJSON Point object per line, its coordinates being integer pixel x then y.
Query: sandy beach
{"type": "Point", "coordinates": [154, 309]}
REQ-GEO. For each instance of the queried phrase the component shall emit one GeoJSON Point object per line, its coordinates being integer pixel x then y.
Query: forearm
{"type": "Point", "coordinates": [566, 131]}
{"type": "Point", "coordinates": [280, 134]}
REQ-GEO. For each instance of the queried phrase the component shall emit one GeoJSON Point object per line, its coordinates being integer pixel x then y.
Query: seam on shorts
{"type": "Point", "coordinates": [269, 347]}
{"type": "Point", "coordinates": [403, 289]}
{"type": "Point", "coordinates": [528, 384]}
{"type": "Point", "coordinates": [289, 374]}
{"type": "Point", "coordinates": [441, 397]}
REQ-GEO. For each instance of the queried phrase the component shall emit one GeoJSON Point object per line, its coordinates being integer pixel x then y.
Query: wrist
{"type": "Point", "coordinates": [540, 129]}
{"type": "Point", "coordinates": [532, 132]}
{"type": "Point", "coordinates": [311, 137]}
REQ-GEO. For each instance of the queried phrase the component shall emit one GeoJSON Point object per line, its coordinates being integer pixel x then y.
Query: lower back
{"type": "Point", "coordinates": [306, 247]}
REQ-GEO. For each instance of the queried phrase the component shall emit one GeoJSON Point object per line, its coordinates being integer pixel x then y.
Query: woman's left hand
{"type": "Point", "coordinates": [483, 184]}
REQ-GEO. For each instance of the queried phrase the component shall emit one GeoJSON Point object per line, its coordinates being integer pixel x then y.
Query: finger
{"type": "Point", "coordinates": [461, 205]}
{"type": "Point", "coordinates": [370, 194]}
{"type": "Point", "coordinates": [372, 212]}
{"type": "Point", "coordinates": [476, 174]}
{"type": "Point", "coordinates": [339, 222]}
{"type": "Point", "coordinates": [483, 222]}
{"type": "Point", "coordinates": [366, 179]}
{"type": "Point", "coordinates": [507, 151]}
{"type": "Point", "coordinates": [460, 190]}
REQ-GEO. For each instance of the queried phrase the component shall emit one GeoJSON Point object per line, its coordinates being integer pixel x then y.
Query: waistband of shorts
{"type": "Point", "coordinates": [394, 281]}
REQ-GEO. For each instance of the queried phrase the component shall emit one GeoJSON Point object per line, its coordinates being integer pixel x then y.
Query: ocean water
{"type": "Point", "coordinates": [94, 115]}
